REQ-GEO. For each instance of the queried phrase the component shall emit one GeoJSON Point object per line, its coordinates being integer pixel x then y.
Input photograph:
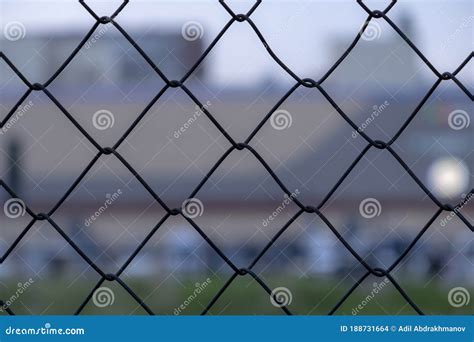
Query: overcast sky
{"type": "Point", "coordinates": [300, 32]}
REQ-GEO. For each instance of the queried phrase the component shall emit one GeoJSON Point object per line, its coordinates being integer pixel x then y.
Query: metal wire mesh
{"type": "Point", "coordinates": [317, 85]}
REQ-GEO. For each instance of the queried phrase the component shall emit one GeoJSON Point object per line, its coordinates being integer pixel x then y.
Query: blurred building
{"type": "Point", "coordinates": [105, 51]}
{"type": "Point", "coordinates": [44, 153]}
{"type": "Point", "coordinates": [382, 54]}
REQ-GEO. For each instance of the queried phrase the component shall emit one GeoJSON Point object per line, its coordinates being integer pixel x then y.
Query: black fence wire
{"type": "Point", "coordinates": [317, 85]}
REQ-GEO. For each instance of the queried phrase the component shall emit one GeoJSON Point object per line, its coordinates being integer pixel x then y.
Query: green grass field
{"type": "Point", "coordinates": [309, 296]}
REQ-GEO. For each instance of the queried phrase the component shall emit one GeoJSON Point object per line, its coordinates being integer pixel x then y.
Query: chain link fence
{"type": "Point", "coordinates": [186, 211]}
